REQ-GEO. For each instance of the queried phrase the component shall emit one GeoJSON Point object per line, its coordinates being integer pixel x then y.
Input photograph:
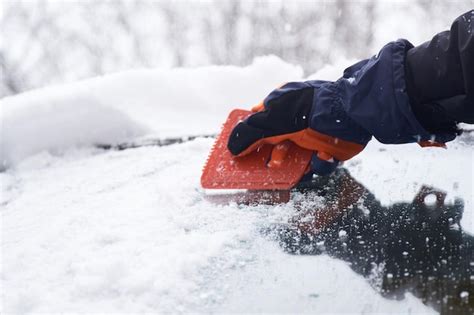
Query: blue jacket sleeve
{"type": "Point", "coordinates": [373, 94]}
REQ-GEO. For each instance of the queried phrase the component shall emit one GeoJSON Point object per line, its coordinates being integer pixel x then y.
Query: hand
{"type": "Point", "coordinates": [285, 116]}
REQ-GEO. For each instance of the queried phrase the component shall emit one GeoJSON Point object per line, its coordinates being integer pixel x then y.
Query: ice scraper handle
{"type": "Point", "coordinates": [283, 117]}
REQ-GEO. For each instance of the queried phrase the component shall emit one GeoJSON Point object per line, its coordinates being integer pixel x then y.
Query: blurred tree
{"type": "Point", "coordinates": [177, 24]}
{"type": "Point", "coordinates": [53, 41]}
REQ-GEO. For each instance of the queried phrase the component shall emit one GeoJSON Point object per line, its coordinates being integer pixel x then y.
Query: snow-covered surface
{"type": "Point", "coordinates": [119, 107]}
{"type": "Point", "coordinates": [87, 230]}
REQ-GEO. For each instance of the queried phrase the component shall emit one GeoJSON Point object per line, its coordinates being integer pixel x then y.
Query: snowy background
{"type": "Point", "coordinates": [56, 41]}
{"type": "Point", "coordinates": [90, 230]}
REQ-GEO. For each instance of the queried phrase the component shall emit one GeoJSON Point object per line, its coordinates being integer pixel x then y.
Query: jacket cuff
{"type": "Point", "coordinates": [323, 167]}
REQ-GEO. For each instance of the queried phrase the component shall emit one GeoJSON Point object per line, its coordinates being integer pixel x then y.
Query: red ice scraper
{"type": "Point", "coordinates": [256, 172]}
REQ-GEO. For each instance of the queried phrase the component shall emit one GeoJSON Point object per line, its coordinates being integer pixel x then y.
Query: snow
{"type": "Point", "coordinates": [123, 106]}
{"type": "Point", "coordinates": [130, 231]}
{"type": "Point", "coordinates": [58, 122]}
{"type": "Point", "coordinates": [88, 230]}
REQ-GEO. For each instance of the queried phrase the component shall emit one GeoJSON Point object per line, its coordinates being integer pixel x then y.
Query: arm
{"type": "Point", "coordinates": [372, 98]}
{"type": "Point", "coordinates": [440, 76]}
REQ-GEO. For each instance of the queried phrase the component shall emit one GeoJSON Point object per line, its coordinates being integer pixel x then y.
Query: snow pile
{"type": "Point", "coordinates": [332, 72]}
{"type": "Point", "coordinates": [115, 108]}
{"type": "Point", "coordinates": [58, 121]}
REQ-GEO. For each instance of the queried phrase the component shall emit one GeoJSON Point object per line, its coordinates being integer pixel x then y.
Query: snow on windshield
{"type": "Point", "coordinates": [86, 229]}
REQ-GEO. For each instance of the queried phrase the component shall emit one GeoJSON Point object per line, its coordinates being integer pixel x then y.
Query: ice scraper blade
{"type": "Point", "coordinates": [252, 172]}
